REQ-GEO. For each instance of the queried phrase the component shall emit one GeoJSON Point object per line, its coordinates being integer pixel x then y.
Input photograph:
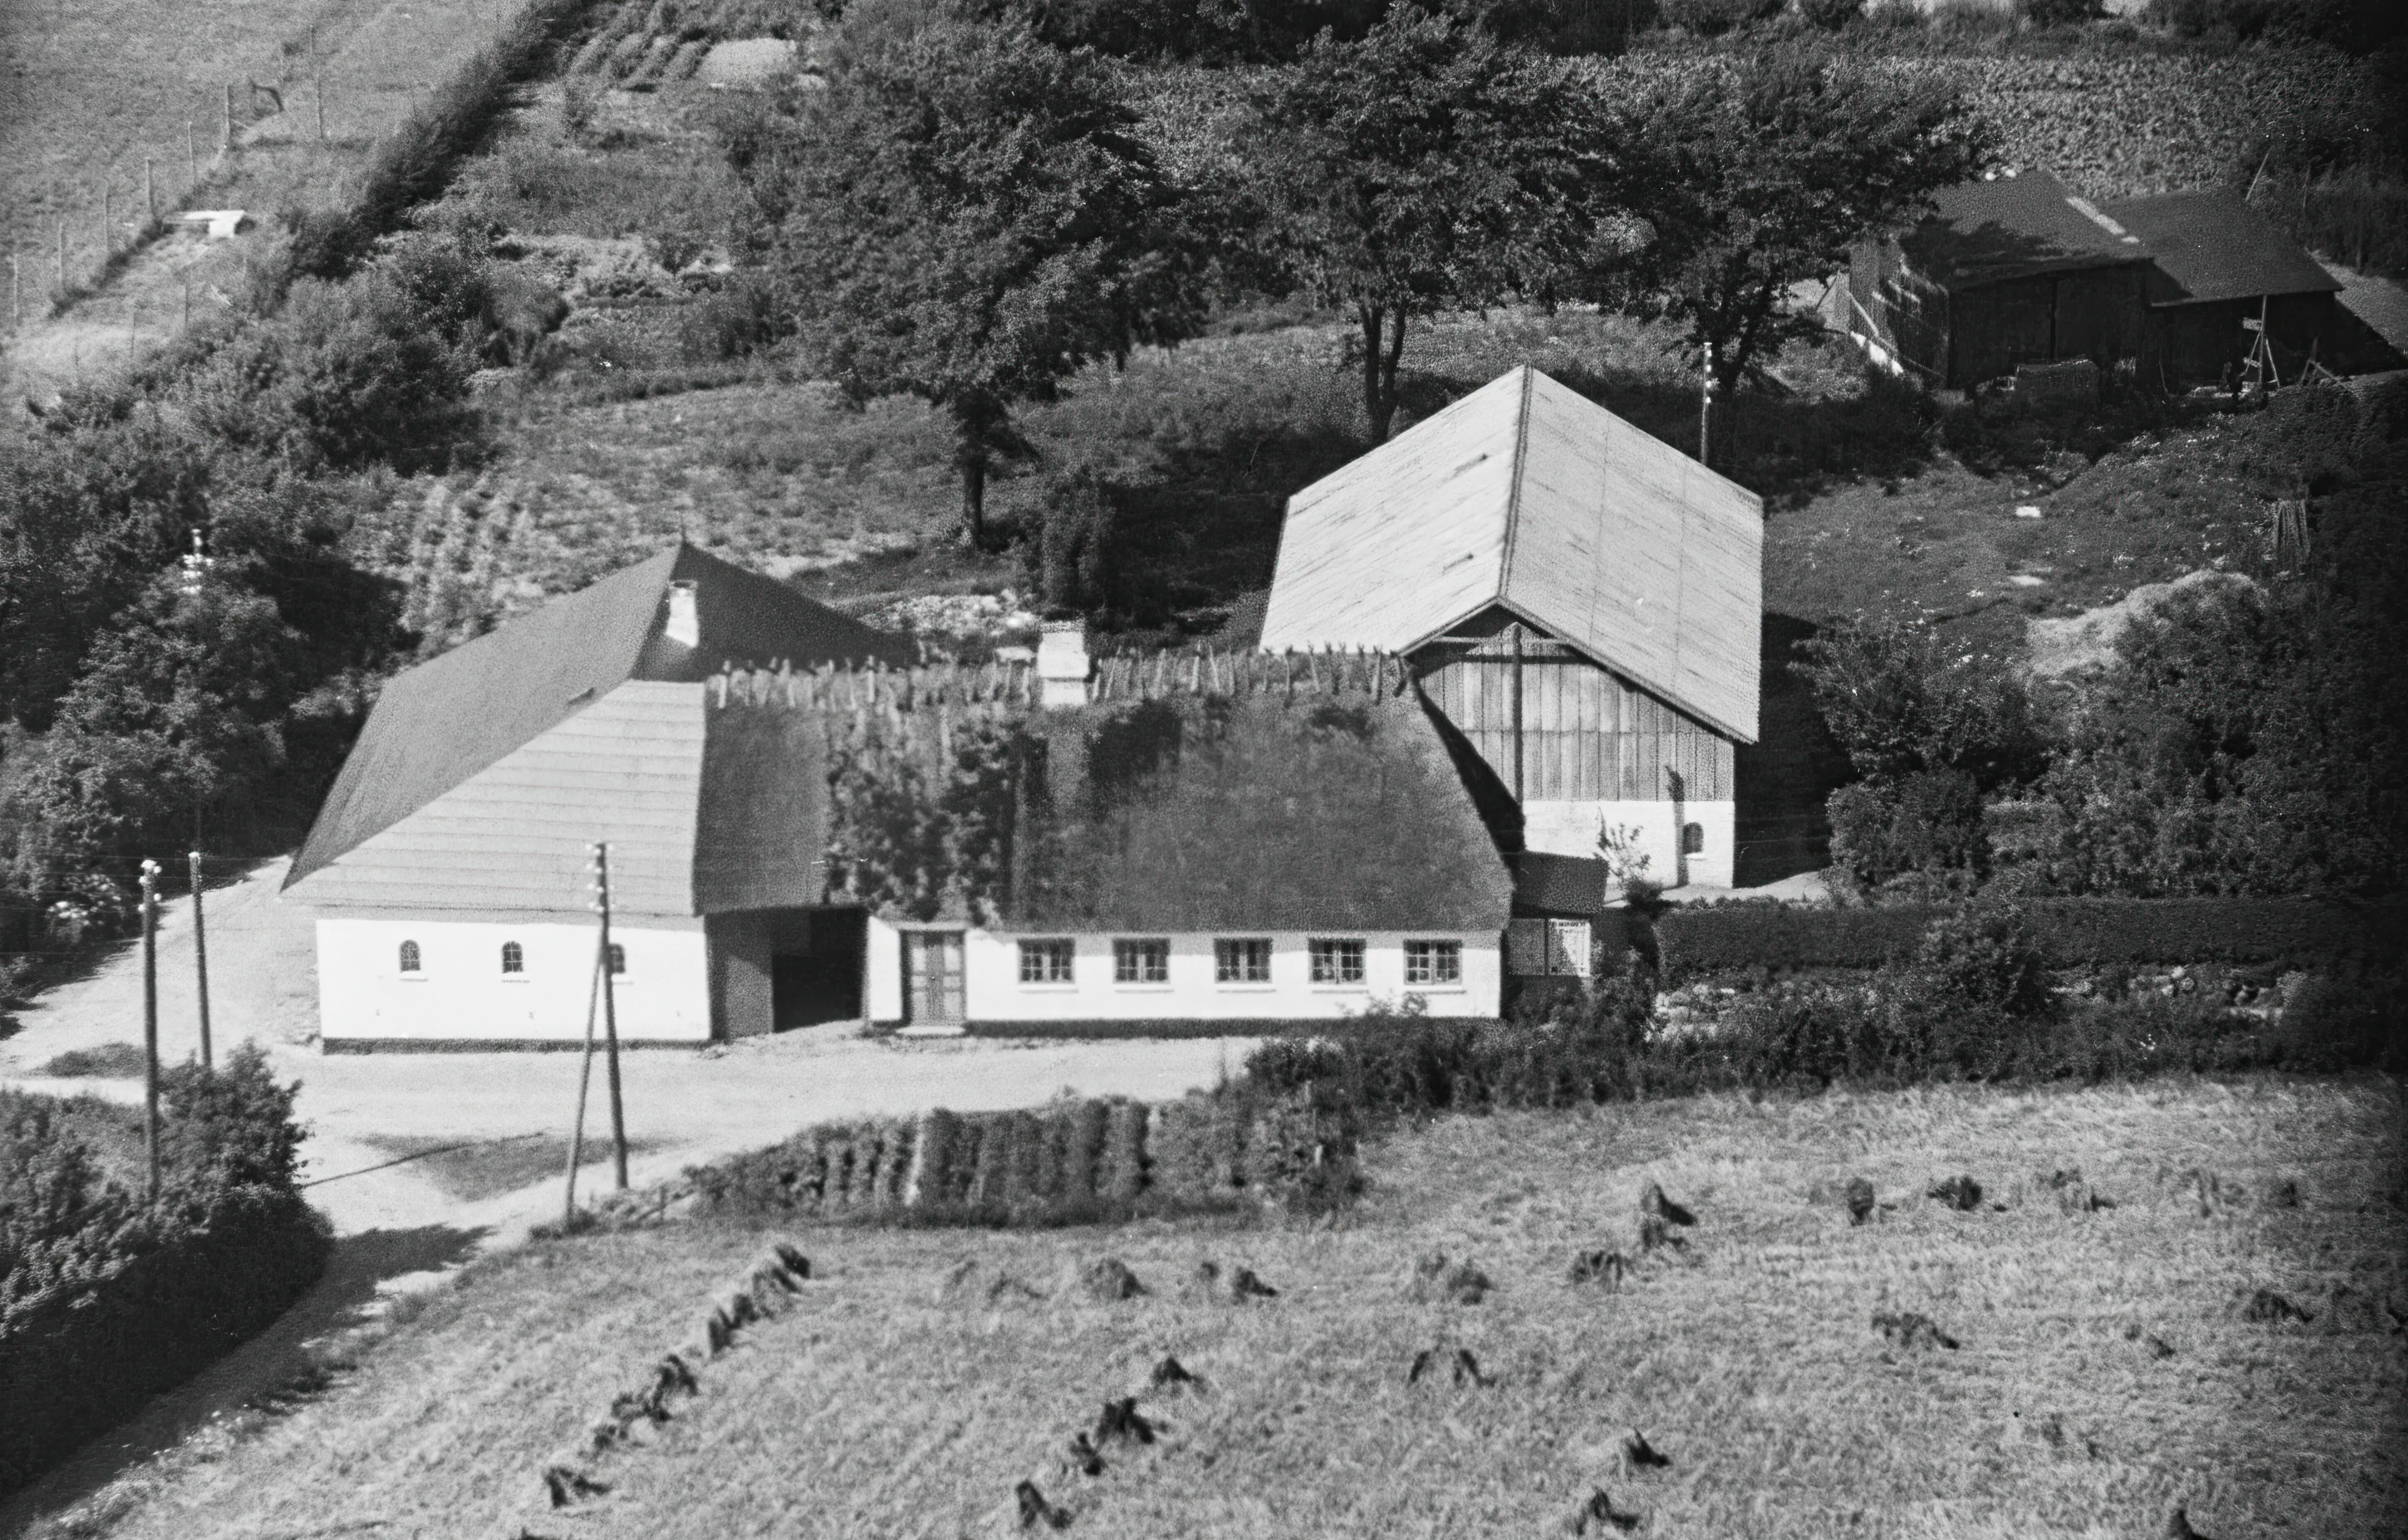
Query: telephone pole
{"type": "Point", "coordinates": [201, 962]}
{"type": "Point", "coordinates": [609, 1012]}
{"type": "Point", "coordinates": [151, 1023]}
{"type": "Point", "coordinates": [1706, 412]}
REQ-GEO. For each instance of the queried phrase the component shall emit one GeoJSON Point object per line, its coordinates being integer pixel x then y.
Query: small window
{"type": "Point", "coordinates": [410, 956]}
{"type": "Point", "coordinates": [1141, 961]}
{"type": "Point", "coordinates": [1246, 961]}
{"type": "Point", "coordinates": [1336, 961]}
{"type": "Point", "coordinates": [513, 959]}
{"type": "Point", "coordinates": [1692, 838]}
{"type": "Point", "coordinates": [1433, 962]}
{"type": "Point", "coordinates": [618, 958]}
{"type": "Point", "coordinates": [1045, 961]}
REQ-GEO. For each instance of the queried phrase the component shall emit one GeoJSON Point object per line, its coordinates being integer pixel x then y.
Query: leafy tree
{"type": "Point", "coordinates": [1427, 167]}
{"type": "Point", "coordinates": [965, 214]}
{"type": "Point", "coordinates": [1764, 176]}
{"type": "Point", "coordinates": [1903, 700]}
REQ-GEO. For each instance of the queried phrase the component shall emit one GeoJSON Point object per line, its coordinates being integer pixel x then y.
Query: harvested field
{"type": "Point", "coordinates": [2107, 1365]}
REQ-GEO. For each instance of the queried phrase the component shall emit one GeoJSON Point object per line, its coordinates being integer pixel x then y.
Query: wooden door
{"type": "Point", "coordinates": [932, 976]}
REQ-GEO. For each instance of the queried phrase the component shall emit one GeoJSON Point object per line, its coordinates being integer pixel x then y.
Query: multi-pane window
{"type": "Point", "coordinates": [1045, 961]}
{"type": "Point", "coordinates": [618, 958]}
{"type": "Point", "coordinates": [513, 959]}
{"type": "Point", "coordinates": [409, 963]}
{"type": "Point", "coordinates": [1692, 838]}
{"type": "Point", "coordinates": [1141, 961]}
{"type": "Point", "coordinates": [1433, 962]}
{"type": "Point", "coordinates": [1336, 960]}
{"type": "Point", "coordinates": [1242, 961]}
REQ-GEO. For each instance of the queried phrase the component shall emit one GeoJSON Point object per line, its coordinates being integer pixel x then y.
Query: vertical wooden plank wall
{"type": "Point", "coordinates": [1587, 736]}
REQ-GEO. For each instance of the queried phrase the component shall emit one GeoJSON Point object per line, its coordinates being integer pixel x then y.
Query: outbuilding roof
{"type": "Point", "coordinates": [447, 721]}
{"type": "Point", "coordinates": [2211, 246]}
{"type": "Point", "coordinates": [1256, 814]}
{"type": "Point", "coordinates": [1526, 494]}
{"type": "Point", "coordinates": [2015, 226]}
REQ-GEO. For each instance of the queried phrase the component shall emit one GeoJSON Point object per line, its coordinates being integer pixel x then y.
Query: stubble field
{"type": "Point", "coordinates": [2108, 1367]}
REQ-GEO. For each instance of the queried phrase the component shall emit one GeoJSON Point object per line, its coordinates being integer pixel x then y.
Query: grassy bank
{"type": "Point", "coordinates": [873, 1406]}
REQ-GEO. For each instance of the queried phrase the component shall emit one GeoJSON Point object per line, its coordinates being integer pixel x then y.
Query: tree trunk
{"type": "Point", "coordinates": [1379, 364]}
{"type": "Point", "coordinates": [974, 495]}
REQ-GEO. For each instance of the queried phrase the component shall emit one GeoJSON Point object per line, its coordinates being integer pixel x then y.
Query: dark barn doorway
{"type": "Point", "coordinates": [815, 969]}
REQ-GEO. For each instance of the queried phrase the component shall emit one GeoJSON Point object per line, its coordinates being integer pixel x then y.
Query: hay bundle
{"type": "Point", "coordinates": [841, 1152]}
{"type": "Point", "coordinates": [1120, 1169]}
{"type": "Point", "coordinates": [894, 1167]}
{"type": "Point", "coordinates": [1911, 1329]}
{"type": "Point", "coordinates": [1961, 1193]}
{"type": "Point", "coordinates": [991, 1170]}
{"type": "Point", "coordinates": [936, 1148]}
{"type": "Point", "coordinates": [1025, 1186]}
{"type": "Point", "coordinates": [1107, 1279]}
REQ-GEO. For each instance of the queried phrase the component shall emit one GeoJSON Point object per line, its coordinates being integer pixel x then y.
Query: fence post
{"type": "Point", "coordinates": [318, 95]}
{"type": "Point", "coordinates": [609, 1013]}
{"type": "Point", "coordinates": [229, 118]}
{"type": "Point", "coordinates": [192, 155]}
{"type": "Point", "coordinates": [149, 192]}
{"type": "Point", "coordinates": [107, 220]}
{"type": "Point", "coordinates": [62, 255]}
{"type": "Point", "coordinates": [16, 290]}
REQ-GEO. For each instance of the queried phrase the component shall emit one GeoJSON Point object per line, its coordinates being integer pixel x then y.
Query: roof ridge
{"type": "Point", "coordinates": [1514, 483]}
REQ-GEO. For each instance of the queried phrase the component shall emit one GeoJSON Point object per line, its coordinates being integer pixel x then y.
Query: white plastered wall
{"type": "Point", "coordinates": [993, 994]}
{"type": "Point", "coordinates": [461, 995]}
{"type": "Point", "coordinates": [1571, 828]}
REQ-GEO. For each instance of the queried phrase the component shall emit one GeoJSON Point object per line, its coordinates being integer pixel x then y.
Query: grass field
{"type": "Point", "coordinates": [94, 88]}
{"type": "Point", "coordinates": [2106, 1371]}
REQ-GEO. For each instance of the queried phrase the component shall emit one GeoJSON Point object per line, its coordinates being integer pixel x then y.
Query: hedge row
{"type": "Point", "coordinates": [415, 165]}
{"type": "Point", "coordinates": [1076, 1160]}
{"type": "Point", "coordinates": [2288, 933]}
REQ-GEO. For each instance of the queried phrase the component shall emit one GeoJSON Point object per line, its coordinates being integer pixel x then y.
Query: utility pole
{"type": "Point", "coordinates": [151, 1023]}
{"type": "Point", "coordinates": [149, 192]}
{"type": "Point", "coordinates": [584, 1079]}
{"type": "Point", "coordinates": [107, 221]}
{"type": "Point", "coordinates": [192, 155]}
{"type": "Point", "coordinates": [229, 118]}
{"type": "Point", "coordinates": [201, 962]}
{"type": "Point", "coordinates": [609, 1012]}
{"type": "Point", "coordinates": [1706, 412]}
{"type": "Point", "coordinates": [63, 254]}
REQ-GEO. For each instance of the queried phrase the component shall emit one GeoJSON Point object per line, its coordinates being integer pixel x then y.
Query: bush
{"type": "Point", "coordinates": [2350, 1016]}
{"type": "Point", "coordinates": [1712, 18]}
{"type": "Point", "coordinates": [106, 1301]}
{"type": "Point", "coordinates": [1927, 822]}
{"type": "Point", "coordinates": [1830, 15]}
{"type": "Point", "coordinates": [2059, 13]}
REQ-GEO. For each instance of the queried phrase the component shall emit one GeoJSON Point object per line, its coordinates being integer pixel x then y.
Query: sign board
{"type": "Point", "coordinates": [2250, 323]}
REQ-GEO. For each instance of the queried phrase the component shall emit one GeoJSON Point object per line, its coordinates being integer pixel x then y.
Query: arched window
{"type": "Point", "coordinates": [1692, 838]}
{"type": "Point", "coordinates": [618, 958]}
{"type": "Point", "coordinates": [513, 960]}
{"type": "Point", "coordinates": [410, 956]}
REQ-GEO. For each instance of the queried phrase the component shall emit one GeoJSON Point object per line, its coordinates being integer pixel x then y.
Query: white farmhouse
{"type": "Point", "coordinates": [1581, 603]}
{"type": "Point", "coordinates": [449, 867]}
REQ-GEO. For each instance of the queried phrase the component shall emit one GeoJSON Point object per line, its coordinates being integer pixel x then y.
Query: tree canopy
{"type": "Point", "coordinates": [1428, 167]}
{"type": "Point", "coordinates": [1764, 175]}
{"type": "Point", "coordinates": [964, 214]}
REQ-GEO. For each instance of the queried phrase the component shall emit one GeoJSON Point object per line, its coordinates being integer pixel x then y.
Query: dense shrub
{"type": "Point", "coordinates": [1830, 15]}
{"type": "Point", "coordinates": [1929, 821]}
{"type": "Point", "coordinates": [1712, 18]}
{"type": "Point", "coordinates": [2059, 13]}
{"type": "Point", "coordinates": [105, 1300]}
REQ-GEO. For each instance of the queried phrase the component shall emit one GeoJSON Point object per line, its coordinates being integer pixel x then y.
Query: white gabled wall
{"type": "Point", "coordinates": [1570, 829]}
{"type": "Point", "coordinates": [994, 993]}
{"type": "Point", "coordinates": [461, 995]}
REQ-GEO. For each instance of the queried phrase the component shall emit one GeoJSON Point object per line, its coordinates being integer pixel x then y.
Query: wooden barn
{"type": "Point", "coordinates": [1579, 603]}
{"type": "Point", "coordinates": [2011, 271]}
{"type": "Point", "coordinates": [2218, 270]}
{"type": "Point", "coordinates": [448, 867]}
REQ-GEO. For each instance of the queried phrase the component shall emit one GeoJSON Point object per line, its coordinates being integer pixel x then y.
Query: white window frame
{"type": "Point", "coordinates": [1141, 952]}
{"type": "Point", "coordinates": [1340, 951]}
{"type": "Point", "coordinates": [1048, 947]}
{"type": "Point", "coordinates": [1443, 963]}
{"type": "Point", "coordinates": [1243, 949]}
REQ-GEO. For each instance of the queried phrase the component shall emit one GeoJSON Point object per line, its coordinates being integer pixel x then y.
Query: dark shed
{"type": "Point", "coordinates": [2218, 265]}
{"type": "Point", "coordinates": [2015, 270]}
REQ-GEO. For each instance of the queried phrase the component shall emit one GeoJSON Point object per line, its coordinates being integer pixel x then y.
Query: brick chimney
{"type": "Point", "coordinates": [1063, 665]}
{"type": "Point", "coordinates": [685, 618]}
